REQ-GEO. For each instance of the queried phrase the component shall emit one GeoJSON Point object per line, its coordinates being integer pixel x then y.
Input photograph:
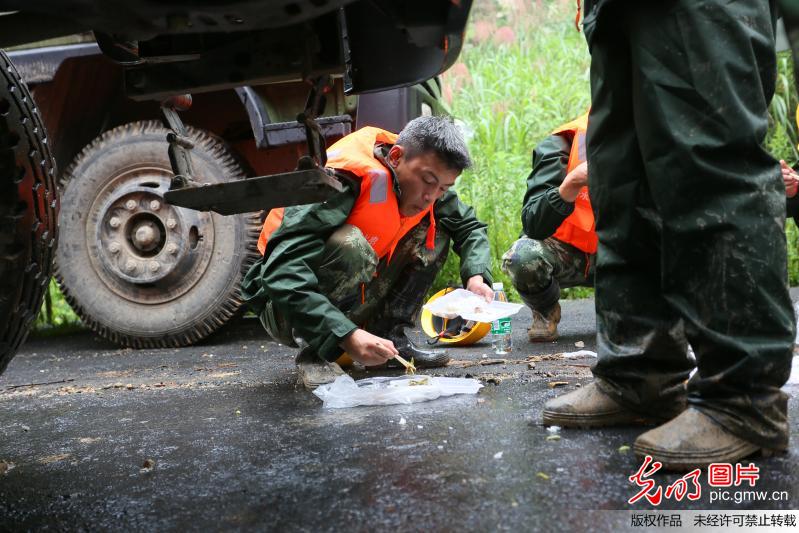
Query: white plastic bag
{"type": "Point", "coordinates": [346, 392]}
{"type": "Point", "coordinates": [468, 305]}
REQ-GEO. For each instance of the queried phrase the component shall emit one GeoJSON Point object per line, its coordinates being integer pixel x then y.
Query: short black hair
{"type": "Point", "coordinates": [437, 134]}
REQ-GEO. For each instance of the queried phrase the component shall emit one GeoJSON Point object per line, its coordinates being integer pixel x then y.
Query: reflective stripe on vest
{"type": "Point", "coordinates": [376, 210]}
{"type": "Point", "coordinates": [579, 228]}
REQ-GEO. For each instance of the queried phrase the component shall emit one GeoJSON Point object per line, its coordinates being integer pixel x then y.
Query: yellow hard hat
{"type": "Point", "coordinates": [454, 331]}
{"type": "Point", "coordinates": [797, 122]}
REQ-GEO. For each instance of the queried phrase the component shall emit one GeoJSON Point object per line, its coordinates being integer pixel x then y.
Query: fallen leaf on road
{"type": "Point", "coordinates": [147, 466]}
{"type": "Point", "coordinates": [543, 476]}
{"type": "Point", "coordinates": [553, 437]}
{"type": "Point", "coordinates": [624, 449]}
{"type": "Point", "coordinates": [54, 458]}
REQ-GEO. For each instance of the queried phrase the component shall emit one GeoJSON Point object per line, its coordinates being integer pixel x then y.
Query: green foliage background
{"type": "Point", "coordinates": [522, 72]}
{"type": "Point", "coordinates": [513, 94]}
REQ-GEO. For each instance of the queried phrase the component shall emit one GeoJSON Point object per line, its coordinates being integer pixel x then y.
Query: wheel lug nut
{"type": "Point", "coordinates": [113, 247]}
{"type": "Point", "coordinates": [171, 223]}
{"type": "Point", "coordinates": [130, 266]}
{"type": "Point", "coordinates": [172, 248]}
{"type": "Point", "coordinates": [154, 266]}
{"type": "Point", "coordinates": [114, 222]}
{"type": "Point", "coordinates": [130, 205]}
{"type": "Point", "coordinates": [155, 205]}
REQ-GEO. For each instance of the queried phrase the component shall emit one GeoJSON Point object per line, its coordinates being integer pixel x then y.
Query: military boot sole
{"type": "Point", "coordinates": [542, 337]}
{"type": "Point", "coordinates": [683, 461]}
{"type": "Point", "coordinates": [693, 440]}
{"type": "Point", "coordinates": [598, 420]}
{"type": "Point", "coordinates": [312, 375]}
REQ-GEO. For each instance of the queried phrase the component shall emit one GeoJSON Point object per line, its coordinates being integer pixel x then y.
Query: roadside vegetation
{"type": "Point", "coordinates": [522, 72]}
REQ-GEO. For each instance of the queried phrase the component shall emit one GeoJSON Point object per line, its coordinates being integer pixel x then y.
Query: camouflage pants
{"type": "Point", "coordinates": [539, 269]}
{"type": "Point", "coordinates": [377, 295]}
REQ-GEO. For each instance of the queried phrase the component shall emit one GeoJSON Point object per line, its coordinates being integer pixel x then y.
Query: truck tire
{"type": "Point", "coordinates": [138, 271]}
{"type": "Point", "coordinates": [28, 211]}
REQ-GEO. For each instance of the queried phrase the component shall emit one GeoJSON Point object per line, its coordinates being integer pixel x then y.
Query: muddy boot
{"type": "Point", "coordinates": [545, 325]}
{"type": "Point", "coordinates": [693, 440]}
{"type": "Point", "coordinates": [422, 357]}
{"type": "Point", "coordinates": [313, 371]}
{"type": "Point", "coordinates": [589, 407]}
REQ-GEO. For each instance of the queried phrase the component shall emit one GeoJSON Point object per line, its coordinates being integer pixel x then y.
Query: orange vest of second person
{"type": "Point", "coordinates": [376, 210]}
{"type": "Point", "coordinates": [579, 228]}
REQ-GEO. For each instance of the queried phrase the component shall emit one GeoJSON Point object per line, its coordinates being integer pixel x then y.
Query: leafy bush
{"type": "Point", "coordinates": [524, 71]}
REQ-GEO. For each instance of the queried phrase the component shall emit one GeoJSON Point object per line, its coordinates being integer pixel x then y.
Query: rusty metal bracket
{"type": "Point", "coordinates": [310, 183]}
{"type": "Point", "coordinates": [180, 144]}
{"type": "Point", "coordinates": [256, 194]}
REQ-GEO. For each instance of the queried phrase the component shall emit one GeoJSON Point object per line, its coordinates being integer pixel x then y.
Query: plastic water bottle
{"type": "Point", "coordinates": [500, 329]}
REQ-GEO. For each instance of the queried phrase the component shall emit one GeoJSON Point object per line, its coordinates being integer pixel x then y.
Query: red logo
{"type": "Point", "coordinates": [718, 475]}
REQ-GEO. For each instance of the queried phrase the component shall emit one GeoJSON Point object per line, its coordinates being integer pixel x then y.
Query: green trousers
{"type": "Point", "coordinates": [690, 212]}
{"type": "Point", "coordinates": [539, 269]}
{"type": "Point", "coordinates": [377, 295]}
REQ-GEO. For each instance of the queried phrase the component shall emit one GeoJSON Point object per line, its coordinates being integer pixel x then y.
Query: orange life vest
{"type": "Point", "coordinates": [376, 210]}
{"type": "Point", "coordinates": [579, 228]}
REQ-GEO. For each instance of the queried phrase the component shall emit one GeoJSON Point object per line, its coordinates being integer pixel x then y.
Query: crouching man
{"type": "Point", "coordinates": [350, 274]}
{"type": "Point", "coordinates": [558, 248]}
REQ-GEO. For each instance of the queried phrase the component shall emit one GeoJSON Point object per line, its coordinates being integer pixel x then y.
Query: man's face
{"type": "Point", "coordinates": [423, 179]}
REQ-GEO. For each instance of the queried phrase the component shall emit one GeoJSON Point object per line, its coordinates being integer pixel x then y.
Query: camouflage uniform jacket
{"type": "Point", "coordinates": [285, 275]}
{"type": "Point", "coordinates": [543, 209]}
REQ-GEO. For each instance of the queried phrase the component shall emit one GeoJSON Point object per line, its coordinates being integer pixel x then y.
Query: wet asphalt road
{"type": "Point", "coordinates": [232, 442]}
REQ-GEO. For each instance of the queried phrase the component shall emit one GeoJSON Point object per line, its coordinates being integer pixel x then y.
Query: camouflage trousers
{"type": "Point", "coordinates": [377, 295]}
{"type": "Point", "coordinates": [539, 269]}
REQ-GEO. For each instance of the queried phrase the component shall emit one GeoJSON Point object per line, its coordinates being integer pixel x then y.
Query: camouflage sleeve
{"type": "Point", "coordinates": [286, 274]}
{"type": "Point", "coordinates": [469, 236]}
{"type": "Point", "coordinates": [543, 209]}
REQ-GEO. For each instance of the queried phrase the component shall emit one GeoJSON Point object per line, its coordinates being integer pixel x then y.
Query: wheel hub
{"type": "Point", "coordinates": [144, 249]}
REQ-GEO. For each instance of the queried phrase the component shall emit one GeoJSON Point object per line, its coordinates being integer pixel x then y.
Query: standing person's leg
{"type": "Point", "coordinates": [538, 270]}
{"type": "Point", "coordinates": [642, 353]}
{"type": "Point", "coordinates": [704, 73]}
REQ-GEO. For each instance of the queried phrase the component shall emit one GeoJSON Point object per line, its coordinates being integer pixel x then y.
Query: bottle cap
{"type": "Point", "coordinates": [497, 286]}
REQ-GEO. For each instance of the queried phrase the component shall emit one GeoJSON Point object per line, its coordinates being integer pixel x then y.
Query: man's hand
{"type": "Point", "coordinates": [476, 285]}
{"type": "Point", "coordinates": [368, 349]}
{"type": "Point", "coordinates": [790, 178]}
{"type": "Point", "coordinates": [575, 180]}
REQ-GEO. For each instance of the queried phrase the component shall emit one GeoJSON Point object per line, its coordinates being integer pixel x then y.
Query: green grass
{"type": "Point", "coordinates": [515, 94]}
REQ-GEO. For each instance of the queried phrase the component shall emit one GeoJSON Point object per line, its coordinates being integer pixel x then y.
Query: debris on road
{"type": "Point", "coordinates": [578, 353]}
{"type": "Point", "coordinates": [553, 384]}
{"type": "Point", "coordinates": [465, 363]}
{"type": "Point", "coordinates": [147, 466]}
{"type": "Point", "coordinates": [498, 455]}
{"type": "Point", "coordinates": [54, 458]}
{"type": "Point", "coordinates": [5, 467]}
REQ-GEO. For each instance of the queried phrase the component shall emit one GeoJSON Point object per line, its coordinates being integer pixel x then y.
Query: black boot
{"type": "Point", "coordinates": [422, 358]}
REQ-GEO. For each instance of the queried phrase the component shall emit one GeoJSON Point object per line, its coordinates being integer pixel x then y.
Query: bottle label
{"type": "Point", "coordinates": [501, 326]}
